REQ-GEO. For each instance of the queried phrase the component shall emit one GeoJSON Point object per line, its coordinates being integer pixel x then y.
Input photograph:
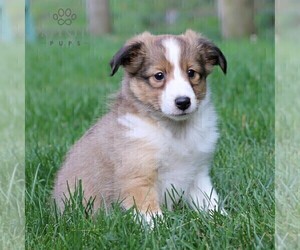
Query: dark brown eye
{"type": "Point", "coordinates": [191, 73]}
{"type": "Point", "coordinates": [159, 76]}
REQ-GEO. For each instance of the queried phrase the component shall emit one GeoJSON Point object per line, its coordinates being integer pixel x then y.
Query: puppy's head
{"type": "Point", "coordinates": [168, 73]}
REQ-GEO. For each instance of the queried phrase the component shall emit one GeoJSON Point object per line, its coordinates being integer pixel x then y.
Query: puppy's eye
{"type": "Point", "coordinates": [159, 76]}
{"type": "Point", "coordinates": [191, 73]}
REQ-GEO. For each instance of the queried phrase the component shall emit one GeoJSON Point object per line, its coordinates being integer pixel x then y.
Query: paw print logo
{"type": "Point", "coordinates": [64, 16]}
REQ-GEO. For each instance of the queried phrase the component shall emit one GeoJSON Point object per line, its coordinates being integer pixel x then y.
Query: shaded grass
{"type": "Point", "coordinates": [287, 143]}
{"type": "Point", "coordinates": [12, 137]}
{"type": "Point", "coordinates": [66, 91]}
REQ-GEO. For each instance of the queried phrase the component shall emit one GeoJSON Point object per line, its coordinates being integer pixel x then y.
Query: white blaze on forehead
{"type": "Point", "coordinates": [173, 54]}
{"type": "Point", "coordinates": [178, 86]}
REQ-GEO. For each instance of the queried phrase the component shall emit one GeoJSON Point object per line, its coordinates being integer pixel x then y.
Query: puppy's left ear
{"type": "Point", "coordinates": [212, 55]}
{"type": "Point", "coordinates": [125, 57]}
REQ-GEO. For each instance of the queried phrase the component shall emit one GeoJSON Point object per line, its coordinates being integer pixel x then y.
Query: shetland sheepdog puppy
{"type": "Point", "coordinates": [160, 133]}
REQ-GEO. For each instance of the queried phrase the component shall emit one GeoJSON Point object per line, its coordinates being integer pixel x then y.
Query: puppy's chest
{"type": "Point", "coordinates": [182, 157]}
{"type": "Point", "coordinates": [178, 151]}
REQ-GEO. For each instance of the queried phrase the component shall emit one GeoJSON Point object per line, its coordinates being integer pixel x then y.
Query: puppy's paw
{"type": "Point", "coordinates": [216, 209]}
{"type": "Point", "coordinates": [149, 219]}
{"type": "Point", "coordinates": [223, 211]}
{"type": "Point", "coordinates": [209, 205]}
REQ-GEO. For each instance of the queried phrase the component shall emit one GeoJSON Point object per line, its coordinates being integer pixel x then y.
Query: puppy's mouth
{"type": "Point", "coordinates": [181, 116]}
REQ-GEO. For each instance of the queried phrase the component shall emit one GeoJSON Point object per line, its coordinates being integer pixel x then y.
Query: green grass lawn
{"type": "Point", "coordinates": [12, 137]}
{"type": "Point", "coordinates": [66, 91]}
{"type": "Point", "coordinates": [287, 141]}
{"type": "Point", "coordinates": [287, 128]}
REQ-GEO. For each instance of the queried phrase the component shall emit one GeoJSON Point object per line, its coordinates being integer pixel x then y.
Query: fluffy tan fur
{"type": "Point", "coordinates": [112, 166]}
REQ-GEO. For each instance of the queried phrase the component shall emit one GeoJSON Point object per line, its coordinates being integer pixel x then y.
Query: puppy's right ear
{"type": "Point", "coordinates": [129, 57]}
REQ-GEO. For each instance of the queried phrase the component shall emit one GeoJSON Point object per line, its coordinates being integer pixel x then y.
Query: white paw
{"type": "Point", "coordinates": [223, 211]}
{"type": "Point", "coordinates": [149, 218]}
{"type": "Point", "coordinates": [208, 204]}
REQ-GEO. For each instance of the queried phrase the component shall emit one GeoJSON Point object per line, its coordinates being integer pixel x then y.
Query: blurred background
{"type": "Point", "coordinates": [219, 18]}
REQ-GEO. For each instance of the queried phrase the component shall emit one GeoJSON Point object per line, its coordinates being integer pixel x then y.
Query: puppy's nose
{"type": "Point", "coordinates": [183, 102]}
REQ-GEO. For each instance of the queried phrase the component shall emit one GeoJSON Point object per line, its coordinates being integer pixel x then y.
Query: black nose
{"type": "Point", "coordinates": [183, 102]}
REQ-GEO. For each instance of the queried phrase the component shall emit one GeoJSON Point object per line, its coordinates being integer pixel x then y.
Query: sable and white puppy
{"type": "Point", "coordinates": [160, 133]}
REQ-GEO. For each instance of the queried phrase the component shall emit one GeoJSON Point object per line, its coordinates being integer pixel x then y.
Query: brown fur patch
{"type": "Point", "coordinates": [146, 94]}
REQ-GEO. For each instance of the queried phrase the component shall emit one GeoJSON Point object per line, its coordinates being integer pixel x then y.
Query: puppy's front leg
{"type": "Point", "coordinates": [138, 189]}
{"type": "Point", "coordinates": [145, 199]}
{"type": "Point", "coordinates": [202, 195]}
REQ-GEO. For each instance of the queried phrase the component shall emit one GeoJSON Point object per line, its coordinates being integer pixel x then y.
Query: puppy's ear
{"type": "Point", "coordinates": [208, 51]}
{"type": "Point", "coordinates": [212, 55]}
{"type": "Point", "coordinates": [132, 55]}
{"type": "Point", "coordinates": [126, 57]}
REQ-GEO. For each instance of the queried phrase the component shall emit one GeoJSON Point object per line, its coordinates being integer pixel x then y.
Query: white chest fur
{"type": "Point", "coordinates": [183, 152]}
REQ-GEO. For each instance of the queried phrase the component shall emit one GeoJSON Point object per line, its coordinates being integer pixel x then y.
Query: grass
{"type": "Point", "coordinates": [66, 91]}
{"type": "Point", "coordinates": [287, 150]}
{"type": "Point", "coordinates": [12, 137]}
{"type": "Point", "coordinates": [287, 130]}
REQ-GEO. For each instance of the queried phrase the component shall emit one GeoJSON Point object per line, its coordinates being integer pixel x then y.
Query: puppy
{"type": "Point", "coordinates": [156, 144]}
